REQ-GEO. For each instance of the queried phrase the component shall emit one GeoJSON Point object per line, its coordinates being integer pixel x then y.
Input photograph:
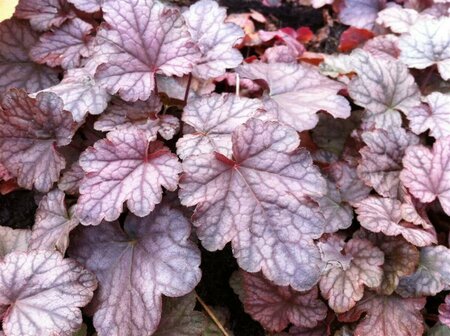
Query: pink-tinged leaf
{"type": "Point", "coordinates": [383, 46]}
{"type": "Point", "coordinates": [384, 215]}
{"type": "Point", "coordinates": [397, 18]}
{"type": "Point", "coordinates": [381, 159]}
{"type": "Point", "coordinates": [427, 43]}
{"type": "Point", "coordinates": [31, 129]}
{"type": "Point", "coordinates": [144, 38]}
{"type": "Point", "coordinates": [88, 6]}
{"type": "Point", "coordinates": [297, 92]}
{"type": "Point", "coordinates": [414, 211]}
{"type": "Point", "coordinates": [44, 14]}
{"type": "Point", "coordinates": [320, 330]}
{"type": "Point", "coordinates": [5, 175]}
{"type": "Point", "coordinates": [124, 167]}
{"type": "Point", "coordinates": [277, 306]}
{"type": "Point", "coordinates": [65, 46]}
{"type": "Point", "coordinates": [13, 240]}
{"type": "Point", "coordinates": [352, 188]}
{"type": "Point", "coordinates": [16, 39]}
{"type": "Point", "coordinates": [143, 115]}
{"type": "Point", "coordinates": [433, 116]}
{"type": "Point", "coordinates": [149, 257]}
{"type": "Point", "coordinates": [426, 172]}
{"type": "Point", "coordinates": [43, 293]}
{"type": "Point", "coordinates": [360, 13]}
{"type": "Point", "coordinates": [279, 54]}
{"type": "Point", "coordinates": [432, 274]}
{"type": "Point", "coordinates": [444, 311]}
{"type": "Point", "coordinates": [337, 214]}
{"type": "Point", "coordinates": [344, 286]}
{"type": "Point", "coordinates": [180, 319]}
{"type": "Point", "coordinates": [214, 118]}
{"type": "Point", "coordinates": [400, 258]}
{"type": "Point", "coordinates": [53, 223]}
{"type": "Point", "coordinates": [387, 316]}
{"type": "Point", "coordinates": [71, 179]}
{"type": "Point", "coordinates": [258, 201]}
{"type": "Point", "coordinates": [321, 3]}
{"type": "Point", "coordinates": [384, 88]}
{"type": "Point", "coordinates": [81, 94]}
{"type": "Point", "coordinates": [215, 38]}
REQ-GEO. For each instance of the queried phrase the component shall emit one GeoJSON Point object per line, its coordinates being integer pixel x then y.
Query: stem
{"type": "Point", "coordinates": [238, 84]}
{"type": "Point", "coordinates": [212, 315]}
{"type": "Point", "coordinates": [186, 94]}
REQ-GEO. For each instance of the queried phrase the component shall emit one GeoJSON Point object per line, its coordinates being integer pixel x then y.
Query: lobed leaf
{"type": "Point", "coordinates": [257, 200]}
{"type": "Point", "coordinates": [13, 240]}
{"type": "Point", "coordinates": [135, 266]}
{"type": "Point", "coordinates": [360, 13]}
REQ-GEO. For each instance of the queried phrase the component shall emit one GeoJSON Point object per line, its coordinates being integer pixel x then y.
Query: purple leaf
{"type": "Point", "coordinates": [277, 306]}
{"type": "Point", "coordinates": [149, 257]}
{"type": "Point", "coordinates": [71, 179]}
{"type": "Point", "coordinates": [53, 223]}
{"type": "Point", "coordinates": [258, 201]}
{"type": "Point", "coordinates": [400, 258]}
{"type": "Point", "coordinates": [297, 92]}
{"type": "Point", "coordinates": [432, 274]}
{"type": "Point", "coordinates": [343, 285]}
{"type": "Point", "coordinates": [65, 46]}
{"type": "Point", "coordinates": [360, 13]}
{"type": "Point", "coordinates": [31, 129]}
{"type": "Point", "coordinates": [13, 241]}
{"type": "Point", "coordinates": [88, 6]}
{"type": "Point", "coordinates": [215, 38]}
{"type": "Point", "coordinates": [426, 172]}
{"type": "Point", "coordinates": [44, 14]}
{"type": "Point", "coordinates": [387, 316]}
{"type": "Point", "coordinates": [180, 319]}
{"type": "Point", "coordinates": [384, 88]}
{"type": "Point", "coordinates": [124, 167]}
{"type": "Point", "coordinates": [213, 119]}
{"type": "Point", "coordinates": [444, 311]}
{"type": "Point", "coordinates": [16, 39]}
{"type": "Point", "coordinates": [383, 46]}
{"type": "Point", "coordinates": [81, 94]}
{"type": "Point", "coordinates": [381, 159]}
{"type": "Point", "coordinates": [43, 293]}
{"type": "Point", "coordinates": [384, 215]}
{"type": "Point", "coordinates": [433, 116]}
{"type": "Point", "coordinates": [426, 44]}
{"type": "Point", "coordinates": [144, 38]}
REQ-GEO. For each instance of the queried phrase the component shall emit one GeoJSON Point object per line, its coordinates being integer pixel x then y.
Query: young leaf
{"type": "Point", "coordinates": [53, 223]}
{"type": "Point", "coordinates": [31, 129]}
{"type": "Point", "coordinates": [381, 158]}
{"type": "Point", "coordinates": [360, 13]}
{"type": "Point", "coordinates": [215, 38]}
{"type": "Point", "coordinates": [18, 71]}
{"type": "Point", "coordinates": [432, 274]}
{"type": "Point", "coordinates": [444, 311]}
{"type": "Point", "coordinates": [426, 172]}
{"type": "Point", "coordinates": [28, 281]}
{"type": "Point", "coordinates": [149, 257]}
{"type": "Point", "coordinates": [44, 14]}
{"type": "Point", "coordinates": [433, 116]}
{"type": "Point", "coordinates": [277, 306]}
{"type": "Point", "coordinates": [379, 214]}
{"type": "Point", "coordinates": [81, 94]}
{"type": "Point", "coordinates": [387, 316]}
{"type": "Point", "coordinates": [400, 258]}
{"type": "Point", "coordinates": [13, 240]}
{"type": "Point", "coordinates": [297, 92]}
{"type": "Point", "coordinates": [65, 46]}
{"type": "Point", "coordinates": [124, 167]}
{"type": "Point", "coordinates": [427, 43]}
{"type": "Point", "coordinates": [180, 319]}
{"type": "Point", "coordinates": [343, 285]}
{"type": "Point", "coordinates": [214, 117]}
{"type": "Point", "coordinates": [121, 115]}
{"type": "Point", "coordinates": [258, 201]}
{"type": "Point", "coordinates": [384, 88]}
{"type": "Point", "coordinates": [143, 37]}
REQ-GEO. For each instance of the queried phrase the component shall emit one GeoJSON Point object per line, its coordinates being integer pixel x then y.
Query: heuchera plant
{"type": "Point", "coordinates": [144, 133]}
